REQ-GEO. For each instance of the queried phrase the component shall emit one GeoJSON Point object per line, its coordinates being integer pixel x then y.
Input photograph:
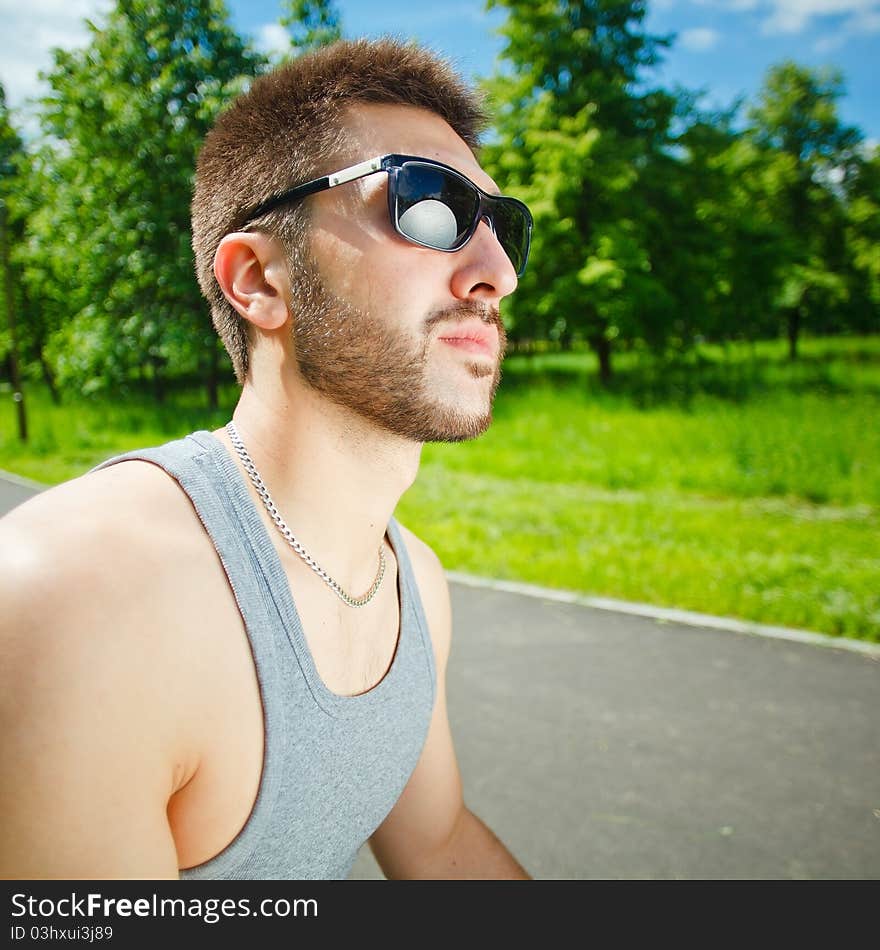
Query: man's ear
{"type": "Point", "coordinates": [251, 270]}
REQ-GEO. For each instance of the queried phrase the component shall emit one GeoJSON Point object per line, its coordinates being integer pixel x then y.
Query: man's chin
{"type": "Point", "coordinates": [455, 426]}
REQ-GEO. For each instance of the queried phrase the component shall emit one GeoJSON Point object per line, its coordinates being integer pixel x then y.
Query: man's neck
{"type": "Point", "coordinates": [334, 477]}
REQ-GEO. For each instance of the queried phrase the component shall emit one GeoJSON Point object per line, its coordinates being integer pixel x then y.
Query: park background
{"type": "Point", "coordinates": [688, 414]}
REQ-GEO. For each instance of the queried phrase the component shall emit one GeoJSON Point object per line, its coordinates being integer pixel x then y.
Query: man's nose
{"type": "Point", "coordinates": [486, 272]}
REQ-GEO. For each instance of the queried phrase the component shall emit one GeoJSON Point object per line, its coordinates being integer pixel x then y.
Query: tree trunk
{"type": "Point", "coordinates": [158, 380]}
{"type": "Point", "coordinates": [49, 380]}
{"type": "Point", "coordinates": [794, 325]}
{"type": "Point", "coordinates": [17, 394]}
{"type": "Point", "coordinates": [40, 343]}
{"type": "Point", "coordinates": [602, 347]}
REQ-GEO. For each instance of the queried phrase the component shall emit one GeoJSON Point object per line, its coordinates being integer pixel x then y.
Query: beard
{"type": "Point", "coordinates": [380, 372]}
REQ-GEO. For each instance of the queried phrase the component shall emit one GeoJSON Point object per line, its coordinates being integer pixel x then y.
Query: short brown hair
{"type": "Point", "coordinates": [286, 129]}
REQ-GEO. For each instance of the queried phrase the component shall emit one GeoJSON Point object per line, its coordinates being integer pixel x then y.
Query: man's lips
{"type": "Point", "coordinates": [472, 337]}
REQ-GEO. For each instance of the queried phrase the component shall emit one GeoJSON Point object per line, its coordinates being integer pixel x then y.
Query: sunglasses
{"type": "Point", "coordinates": [430, 204]}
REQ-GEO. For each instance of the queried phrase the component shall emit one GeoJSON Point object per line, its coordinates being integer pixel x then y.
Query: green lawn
{"type": "Point", "coordinates": [735, 483]}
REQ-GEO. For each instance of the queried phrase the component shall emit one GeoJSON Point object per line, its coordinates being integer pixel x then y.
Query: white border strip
{"type": "Point", "coordinates": [688, 617]}
{"type": "Point", "coordinates": [21, 480]}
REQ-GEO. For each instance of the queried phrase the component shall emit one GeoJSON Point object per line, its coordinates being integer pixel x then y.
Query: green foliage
{"type": "Point", "coordinates": [591, 149]}
{"type": "Point", "coordinates": [797, 115]}
{"type": "Point", "coordinates": [10, 146]}
{"type": "Point", "coordinates": [863, 242]}
{"type": "Point", "coordinates": [108, 253]}
{"type": "Point", "coordinates": [312, 23]}
{"type": "Point", "coordinates": [741, 485]}
{"type": "Point", "coordinates": [742, 239]}
{"type": "Point", "coordinates": [734, 482]}
{"type": "Point", "coordinates": [658, 223]}
{"type": "Point", "coordinates": [812, 158]}
{"type": "Point", "coordinates": [11, 157]}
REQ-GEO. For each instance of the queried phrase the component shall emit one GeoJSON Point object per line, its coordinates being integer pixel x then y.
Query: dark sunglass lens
{"type": "Point", "coordinates": [513, 232]}
{"type": "Point", "coordinates": [434, 207]}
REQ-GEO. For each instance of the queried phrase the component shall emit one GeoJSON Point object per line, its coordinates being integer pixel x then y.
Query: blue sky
{"type": "Point", "coordinates": [723, 46]}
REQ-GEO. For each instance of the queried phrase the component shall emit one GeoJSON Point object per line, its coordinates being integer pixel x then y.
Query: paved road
{"type": "Point", "coordinates": [600, 745]}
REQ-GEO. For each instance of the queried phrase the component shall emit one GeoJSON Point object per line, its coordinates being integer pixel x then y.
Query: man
{"type": "Point", "coordinates": [223, 657]}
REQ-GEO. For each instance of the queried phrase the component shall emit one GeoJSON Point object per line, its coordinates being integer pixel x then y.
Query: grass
{"type": "Point", "coordinates": [733, 483]}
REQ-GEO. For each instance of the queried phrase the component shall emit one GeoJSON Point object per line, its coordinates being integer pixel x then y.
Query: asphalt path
{"type": "Point", "coordinates": [604, 746]}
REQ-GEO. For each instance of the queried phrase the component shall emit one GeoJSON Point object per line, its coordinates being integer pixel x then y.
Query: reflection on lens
{"type": "Point", "coordinates": [430, 222]}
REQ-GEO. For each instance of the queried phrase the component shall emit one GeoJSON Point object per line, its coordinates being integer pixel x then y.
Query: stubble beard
{"type": "Point", "coordinates": [365, 365]}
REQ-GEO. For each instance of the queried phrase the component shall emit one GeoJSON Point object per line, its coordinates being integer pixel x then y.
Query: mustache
{"type": "Point", "coordinates": [491, 316]}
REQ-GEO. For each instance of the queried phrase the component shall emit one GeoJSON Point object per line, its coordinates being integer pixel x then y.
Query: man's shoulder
{"type": "Point", "coordinates": [128, 501]}
{"type": "Point", "coordinates": [91, 535]}
{"type": "Point", "coordinates": [433, 586]}
{"type": "Point", "coordinates": [421, 554]}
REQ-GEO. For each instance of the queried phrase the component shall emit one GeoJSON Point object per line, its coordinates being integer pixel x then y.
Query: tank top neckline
{"type": "Point", "coordinates": [335, 704]}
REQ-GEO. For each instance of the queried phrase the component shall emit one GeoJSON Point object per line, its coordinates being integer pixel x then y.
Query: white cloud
{"type": "Point", "coordinates": [830, 42]}
{"type": "Point", "coordinates": [699, 38]}
{"type": "Point", "coordinates": [272, 39]}
{"type": "Point", "coordinates": [735, 5]}
{"type": "Point", "coordinates": [30, 31]}
{"type": "Point", "coordinates": [860, 21]}
{"type": "Point", "coordinates": [794, 16]}
{"type": "Point", "coordinates": [867, 22]}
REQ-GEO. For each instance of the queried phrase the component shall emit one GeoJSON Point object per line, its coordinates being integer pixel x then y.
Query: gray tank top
{"type": "Point", "coordinates": [333, 766]}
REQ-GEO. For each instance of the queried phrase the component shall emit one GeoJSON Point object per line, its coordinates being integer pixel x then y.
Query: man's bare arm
{"type": "Point", "coordinates": [84, 768]}
{"type": "Point", "coordinates": [430, 833]}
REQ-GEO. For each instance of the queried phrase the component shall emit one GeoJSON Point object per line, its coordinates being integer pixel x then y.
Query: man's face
{"type": "Point", "coordinates": [383, 327]}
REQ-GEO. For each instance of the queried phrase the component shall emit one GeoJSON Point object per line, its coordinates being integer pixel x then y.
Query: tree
{"type": "Point", "coordinates": [111, 244]}
{"type": "Point", "coordinates": [796, 121]}
{"type": "Point", "coordinates": [312, 23]}
{"type": "Point", "coordinates": [582, 140]}
{"type": "Point", "coordinates": [739, 239]}
{"type": "Point", "coordinates": [10, 153]}
{"type": "Point", "coordinates": [34, 188]}
{"type": "Point", "coordinates": [863, 241]}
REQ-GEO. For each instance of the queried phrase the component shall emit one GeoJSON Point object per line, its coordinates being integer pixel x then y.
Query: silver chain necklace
{"type": "Point", "coordinates": [250, 468]}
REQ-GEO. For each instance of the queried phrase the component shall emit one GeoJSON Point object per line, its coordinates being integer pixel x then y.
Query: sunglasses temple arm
{"type": "Point", "coordinates": [292, 194]}
{"type": "Point", "coordinates": [355, 171]}
{"type": "Point", "coordinates": [316, 185]}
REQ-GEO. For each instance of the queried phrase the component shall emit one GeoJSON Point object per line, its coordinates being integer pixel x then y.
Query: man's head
{"type": "Point", "coordinates": [364, 307]}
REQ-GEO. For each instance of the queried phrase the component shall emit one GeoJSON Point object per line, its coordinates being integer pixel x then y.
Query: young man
{"type": "Point", "coordinates": [223, 657]}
